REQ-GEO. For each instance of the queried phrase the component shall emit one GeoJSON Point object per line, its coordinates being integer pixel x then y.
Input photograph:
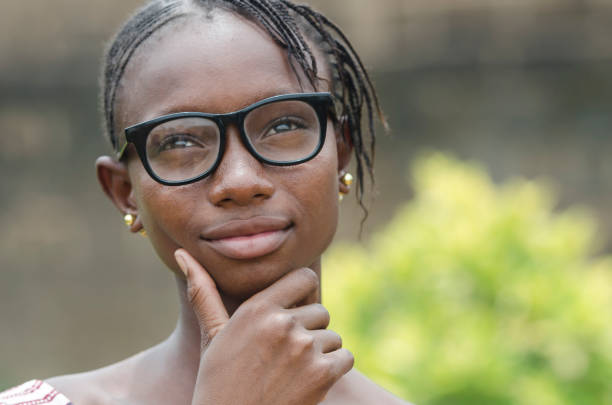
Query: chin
{"type": "Point", "coordinates": [243, 279]}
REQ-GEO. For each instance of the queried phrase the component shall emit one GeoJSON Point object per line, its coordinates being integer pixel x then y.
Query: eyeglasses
{"type": "Point", "coordinates": [185, 147]}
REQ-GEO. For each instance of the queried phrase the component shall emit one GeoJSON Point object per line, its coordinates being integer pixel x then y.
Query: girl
{"type": "Point", "coordinates": [233, 123]}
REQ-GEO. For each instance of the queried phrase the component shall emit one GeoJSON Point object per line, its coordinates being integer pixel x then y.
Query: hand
{"type": "Point", "coordinates": [270, 351]}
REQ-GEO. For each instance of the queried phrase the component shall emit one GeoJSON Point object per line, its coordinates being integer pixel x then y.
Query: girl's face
{"type": "Point", "coordinates": [247, 223]}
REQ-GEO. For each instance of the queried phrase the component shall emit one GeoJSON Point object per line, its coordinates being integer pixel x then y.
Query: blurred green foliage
{"type": "Point", "coordinates": [477, 294]}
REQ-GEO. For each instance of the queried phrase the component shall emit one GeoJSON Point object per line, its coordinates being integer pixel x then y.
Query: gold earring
{"type": "Point", "coordinates": [143, 233]}
{"type": "Point", "coordinates": [128, 219]}
{"type": "Point", "coordinates": [347, 179]}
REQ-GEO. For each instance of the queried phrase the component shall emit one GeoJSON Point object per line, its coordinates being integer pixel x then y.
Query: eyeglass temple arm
{"type": "Point", "coordinates": [120, 146]}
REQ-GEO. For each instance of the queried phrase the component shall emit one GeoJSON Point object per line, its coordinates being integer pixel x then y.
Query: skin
{"type": "Point", "coordinates": [250, 331]}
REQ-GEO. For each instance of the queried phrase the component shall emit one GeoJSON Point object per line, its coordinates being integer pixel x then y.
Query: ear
{"type": "Point", "coordinates": [116, 184]}
{"type": "Point", "coordinates": [344, 146]}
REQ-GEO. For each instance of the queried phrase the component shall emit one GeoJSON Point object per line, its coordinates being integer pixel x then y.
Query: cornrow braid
{"type": "Point", "coordinates": [137, 30]}
{"type": "Point", "coordinates": [357, 90]}
{"type": "Point", "coordinates": [274, 16]}
{"type": "Point", "coordinates": [291, 26]}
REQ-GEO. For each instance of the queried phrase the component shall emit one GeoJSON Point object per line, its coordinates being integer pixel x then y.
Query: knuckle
{"type": "Point", "coordinates": [337, 339]}
{"type": "Point", "coordinates": [254, 309]}
{"type": "Point", "coordinates": [310, 277]}
{"type": "Point", "coordinates": [283, 321]}
{"type": "Point", "coordinates": [304, 343]}
{"type": "Point", "coordinates": [325, 370]}
{"type": "Point", "coordinates": [324, 314]}
{"type": "Point", "coordinates": [279, 325]}
{"type": "Point", "coordinates": [349, 358]}
{"type": "Point", "coordinates": [331, 369]}
{"type": "Point", "coordinates": [194, 295]}
{"type": "Point", "coordinates": [301, 346]}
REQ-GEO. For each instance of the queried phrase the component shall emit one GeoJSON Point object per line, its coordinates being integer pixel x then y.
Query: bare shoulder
{"type": "Point", "coordinates": [97, 387]}
{"type": "Point", "coordinates": [84, 388]}
{"type": "Point", "coordinates": [77, 388]}
{"type": "Point", "coordinates": [356, 389]}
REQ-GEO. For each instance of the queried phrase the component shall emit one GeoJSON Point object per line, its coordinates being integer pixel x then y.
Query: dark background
{"type": "Point", "coordinates": [524, 87]}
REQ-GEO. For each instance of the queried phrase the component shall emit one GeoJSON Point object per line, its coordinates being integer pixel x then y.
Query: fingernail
{"type": "Point", "coordinates": [180, 260]}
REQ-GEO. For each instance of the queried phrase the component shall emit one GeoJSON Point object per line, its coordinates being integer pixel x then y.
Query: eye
{"type": "Point", "coordinates": [178, 141]}
{"type": "Point", "coordinates": [285, 124]}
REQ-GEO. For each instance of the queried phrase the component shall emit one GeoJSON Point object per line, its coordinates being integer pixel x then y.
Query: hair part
{"type": "Point", "coordinates": [289, 25]}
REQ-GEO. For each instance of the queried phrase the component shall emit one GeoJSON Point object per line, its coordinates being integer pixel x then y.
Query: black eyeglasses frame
{"type": "Point", "coordinates": [322, 103]}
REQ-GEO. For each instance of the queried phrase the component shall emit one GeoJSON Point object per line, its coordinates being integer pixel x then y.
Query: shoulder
{"type": "Point", "coordinates": [80, 388]}
{"type": "Point", "coordinates": [357, 389]}
{"type": "Point", "coordinates": [33, 392]}
{"type": "Point", "coordinates": [97, 387]}
{"type": "Point", "coordinates": [108, 385]}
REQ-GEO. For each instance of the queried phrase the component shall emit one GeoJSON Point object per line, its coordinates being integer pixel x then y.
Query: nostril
{"type": "Point", "coordinates": [242, 199]}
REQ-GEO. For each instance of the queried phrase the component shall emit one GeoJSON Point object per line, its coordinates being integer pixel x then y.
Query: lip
{"type": "Point", "coordinates": [248, 239]}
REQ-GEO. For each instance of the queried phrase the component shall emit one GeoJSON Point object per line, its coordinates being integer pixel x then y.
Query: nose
{"type": "Point", "coordinates": [240, 179]}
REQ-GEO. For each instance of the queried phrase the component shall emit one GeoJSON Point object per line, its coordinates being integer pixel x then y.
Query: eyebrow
{"type": "Point", "coordinates": [251, 99]}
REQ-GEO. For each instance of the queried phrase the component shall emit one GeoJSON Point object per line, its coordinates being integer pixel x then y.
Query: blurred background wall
{"type": "Point", "coordinates": [522, 86]}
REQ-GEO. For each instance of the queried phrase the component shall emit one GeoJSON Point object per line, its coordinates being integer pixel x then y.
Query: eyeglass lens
{"type": "Point", "coordinates": [282, 132]}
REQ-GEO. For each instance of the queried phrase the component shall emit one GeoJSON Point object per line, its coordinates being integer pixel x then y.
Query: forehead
{"type": "Point", "coordinates": [218, 63]}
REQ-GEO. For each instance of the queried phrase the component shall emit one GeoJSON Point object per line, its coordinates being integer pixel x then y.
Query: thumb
{"type": "Point", "coordinates": [203, 296]}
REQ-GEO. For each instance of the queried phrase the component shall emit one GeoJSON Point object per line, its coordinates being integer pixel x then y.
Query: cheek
{"type": "Point", "coordinates": [316, 194]}
{"type": "Point", "coordinates": [167, 227]}
{"type": "Point", "coordinates": [322, 216]}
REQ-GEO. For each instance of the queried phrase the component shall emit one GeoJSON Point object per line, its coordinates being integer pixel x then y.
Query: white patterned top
{"type": "Point", "coordinates": [35, 392]}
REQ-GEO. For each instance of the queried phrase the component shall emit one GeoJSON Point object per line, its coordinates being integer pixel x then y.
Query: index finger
{"type": "Point", "coordinates": [203, 295]}
{"type": "Point", "coordinates": [297, 287]}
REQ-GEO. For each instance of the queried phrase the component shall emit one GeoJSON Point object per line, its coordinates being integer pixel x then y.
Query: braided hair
{"type": "Point", "coordinates": [289, 25]}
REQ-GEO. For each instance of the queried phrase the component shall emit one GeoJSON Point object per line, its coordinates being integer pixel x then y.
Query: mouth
{"type": "Point", "coordinates": [248, 239]}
